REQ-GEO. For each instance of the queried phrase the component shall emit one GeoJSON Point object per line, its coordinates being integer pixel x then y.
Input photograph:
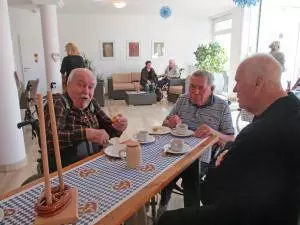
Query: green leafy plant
{"type": "Point", "coordinates": [211, 57]}
{"type": "Point", "coordinates": [88, 63]}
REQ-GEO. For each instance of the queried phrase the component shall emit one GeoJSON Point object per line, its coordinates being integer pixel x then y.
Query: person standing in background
{"type": "Point", "coordinates": [72, 61]}
{"type": "Point", "coordinates": [279, 56]}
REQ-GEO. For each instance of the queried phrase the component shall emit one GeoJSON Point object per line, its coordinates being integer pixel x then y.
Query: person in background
{"type": "Point", "coordinates": [172, 71]}
{"type": "Point", "coordinates": [148, 78]}
{"type": "Point", "coordinates": [71, 61]}
{"type": "Point", "coordinates": [279, 56]}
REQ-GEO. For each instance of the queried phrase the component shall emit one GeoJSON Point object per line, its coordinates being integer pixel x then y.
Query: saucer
{"type": "Point", "coordinates": [160, 130]}
{"type": "Point", "coordinates": [186, 148]}
{"type": "Point", "coordinates": [150, 139]}
{"type": "Point", "coordinates": [113, 150]}
{"type": "Point", "coordinates": [187, 134]}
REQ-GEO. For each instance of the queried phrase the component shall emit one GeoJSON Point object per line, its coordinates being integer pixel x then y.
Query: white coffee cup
{"type": "Point", "coordinates": [182, 128]}
{"type": "Point", "coordinates": [177, 145]}
{"type": "Point", "coordinates": [142, 135]}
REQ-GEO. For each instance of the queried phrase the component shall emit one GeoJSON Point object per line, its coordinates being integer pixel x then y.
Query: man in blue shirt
{"type": "Point", "coordinates": [206, 114]}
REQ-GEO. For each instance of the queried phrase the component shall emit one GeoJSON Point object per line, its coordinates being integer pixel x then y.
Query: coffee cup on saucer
{"type": "Point", "coordinates": [177, 145]}
{"type": "Point", "coordinates": [182, 128]}
{"type": "Point", "coordinates": [142, 135]}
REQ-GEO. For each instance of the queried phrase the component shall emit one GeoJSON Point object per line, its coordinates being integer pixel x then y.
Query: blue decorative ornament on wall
{"type": "Point", "coordinates": [165, 12]}
{"type": "Point", "coordinates": [244, 3]}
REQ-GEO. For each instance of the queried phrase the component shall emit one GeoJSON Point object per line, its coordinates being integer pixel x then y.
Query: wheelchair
{"type": "Point", "coordinates": [78, 151]}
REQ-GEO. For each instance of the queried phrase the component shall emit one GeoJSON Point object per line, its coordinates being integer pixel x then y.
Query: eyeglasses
{"type": "Point", "coordinates": [199, 88]}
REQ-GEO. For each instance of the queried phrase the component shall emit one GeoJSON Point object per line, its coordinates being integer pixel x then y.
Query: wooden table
{"type": "Point", "coordinates": [135, 202]}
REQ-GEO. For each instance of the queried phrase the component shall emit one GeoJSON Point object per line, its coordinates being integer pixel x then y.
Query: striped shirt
{"type": "Point", "coordinates": [215, 114]}
{"type": "Point", "coordinates": [71, 122]}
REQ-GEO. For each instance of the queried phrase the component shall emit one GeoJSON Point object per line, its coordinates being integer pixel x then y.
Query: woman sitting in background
{"type": "Point", "coordinates": [72, 61]}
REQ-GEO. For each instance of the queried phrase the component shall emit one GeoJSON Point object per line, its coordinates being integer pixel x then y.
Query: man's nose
{"type": "Point", "coordinates": [197, 91]}
{"type": "Point", "coordinates": [86, 90]}
{"type": "Point", "coordinates": [234, 89]}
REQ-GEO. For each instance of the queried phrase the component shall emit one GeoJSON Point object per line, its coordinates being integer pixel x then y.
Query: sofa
{"type": "Point", "coordinates": [119, 83]}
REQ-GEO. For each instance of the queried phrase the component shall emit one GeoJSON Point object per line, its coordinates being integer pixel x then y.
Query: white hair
{"type": "Point", "coordinates": [172, 60]}
{"type": "Point", "coordinates": [77, 71]}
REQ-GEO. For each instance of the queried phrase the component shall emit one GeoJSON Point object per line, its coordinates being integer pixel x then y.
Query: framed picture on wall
{"type": "Point", "coordinates": [107, 50]}
{"type": "Point", "coordinates": [133, 49]}
{"type": "Point", "coordinates": [158, 49]}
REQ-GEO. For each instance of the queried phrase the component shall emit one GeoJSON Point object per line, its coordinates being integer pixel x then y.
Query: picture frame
{"type": "Point", "coordinates": [107, 50]}
{"type": "Point", "coordinates": [158, 49]}
{"type": "Point", "coordinates": [133, 49]}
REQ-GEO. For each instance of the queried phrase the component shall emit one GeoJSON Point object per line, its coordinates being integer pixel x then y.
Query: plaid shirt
{"type": "Point", "coordinates": [71, 123]}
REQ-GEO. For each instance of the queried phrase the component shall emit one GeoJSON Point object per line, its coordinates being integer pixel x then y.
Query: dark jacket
{"type": "Point", "coordinates": [71, 62]}
{"type": "Point", "coordinates": [145, 75]}
{"type": "Point", "coordinates": [258, 181]}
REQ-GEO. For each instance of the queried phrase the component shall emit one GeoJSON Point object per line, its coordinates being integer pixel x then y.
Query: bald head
{"type": "Point", "coordinates": [172, 63]}
{"type": "Point", "coordinates": [261, 65]}
{"type": "Point", "coordinates": [258, 83]}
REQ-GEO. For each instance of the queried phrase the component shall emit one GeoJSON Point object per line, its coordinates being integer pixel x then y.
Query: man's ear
{"type": "Point", "coordinates": [213, 88]}
{"type": "Point", "coordinates": [259, 81]}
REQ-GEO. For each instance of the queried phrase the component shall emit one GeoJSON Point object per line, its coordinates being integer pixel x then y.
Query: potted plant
{"type": "Point", "coordinates": [99, 91]}
{"type": "Point", "coordinates": [212, 58]}
{"type": "Point", "coordinates": [88, 63]}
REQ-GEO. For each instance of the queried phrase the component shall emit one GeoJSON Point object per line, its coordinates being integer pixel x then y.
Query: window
{"type": "Point", "coordinates": [223, 25]}
{"type": "Point", "coordinates": [222, 29]}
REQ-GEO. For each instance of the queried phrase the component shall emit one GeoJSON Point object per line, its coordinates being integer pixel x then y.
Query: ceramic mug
{"type": "Point", "coordinates": [182, 128]}
{"type": "Point", "coordinates": [177, 145]}
{"type": "Point", "coordinates": [133, 154]}
{"type": "Point", "coordinates": [142, 135]}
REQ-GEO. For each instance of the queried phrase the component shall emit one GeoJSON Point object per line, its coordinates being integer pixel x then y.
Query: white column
{"type": "Point", "coordinates": [236, 45]}
{"type": "Point", "coordinates": [51, 46]}
{"type": "Point", "coordinates": [12, 149]}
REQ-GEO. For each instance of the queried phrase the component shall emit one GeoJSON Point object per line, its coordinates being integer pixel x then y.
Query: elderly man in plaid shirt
{"type": "Point", "coordinates": [83, 127]}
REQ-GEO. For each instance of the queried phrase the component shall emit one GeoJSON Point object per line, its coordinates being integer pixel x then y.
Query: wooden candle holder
{"type": "Point", "coordinates": [56, 205]}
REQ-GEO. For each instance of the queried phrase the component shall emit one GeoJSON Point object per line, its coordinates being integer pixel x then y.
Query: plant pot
{"type": "Point", "coordinates": [99, 92]}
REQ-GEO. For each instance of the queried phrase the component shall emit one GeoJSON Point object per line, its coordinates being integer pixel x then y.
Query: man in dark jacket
{"type": "Point", "coordinates": [257, 183]}
{"type": "Point", "coordinates": [148, 77]}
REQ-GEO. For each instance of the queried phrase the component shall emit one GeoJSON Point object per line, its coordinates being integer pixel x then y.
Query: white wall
{"type": "Point", "coordinates": [181, 36]}
{"type": "Point", "coordinates": [27, 40]}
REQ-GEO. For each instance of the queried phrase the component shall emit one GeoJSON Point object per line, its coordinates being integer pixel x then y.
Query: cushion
{"type": "Point", "coordinates": [123, 86]}
{"type": "Point", "coordinates": [135, 76]}
{"type": "Point", "coordinates": [176, 89]}
{"type": "Point", "coordinates": [121, 77]}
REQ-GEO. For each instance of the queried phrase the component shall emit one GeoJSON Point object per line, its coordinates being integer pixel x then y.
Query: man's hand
{"type": "Point", "coordinates": [148, 82]}
{"type": "Point", "coordinates": [204, 131]}
{"type": "Point", "coordinates": [220, 158]}
{"type": "Point", "coordinates": [98, 136]}
{"type": "Point", "coordinates": [120, 122]}
{"type": "Point", "coordinates": [172, 121]}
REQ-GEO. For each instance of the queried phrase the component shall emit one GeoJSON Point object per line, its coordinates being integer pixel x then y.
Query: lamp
{"type": "Point", "coordinates": [119, 3]}
{"type": "Point", "coordinates": [243, 3]}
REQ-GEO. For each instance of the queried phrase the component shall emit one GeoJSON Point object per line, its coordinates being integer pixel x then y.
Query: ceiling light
{"type": "Point", "coordinates": [119, 4]}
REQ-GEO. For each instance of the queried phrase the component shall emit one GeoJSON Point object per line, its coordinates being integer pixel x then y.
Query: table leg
{"type": "Point", "coordinates": [139, 218]}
